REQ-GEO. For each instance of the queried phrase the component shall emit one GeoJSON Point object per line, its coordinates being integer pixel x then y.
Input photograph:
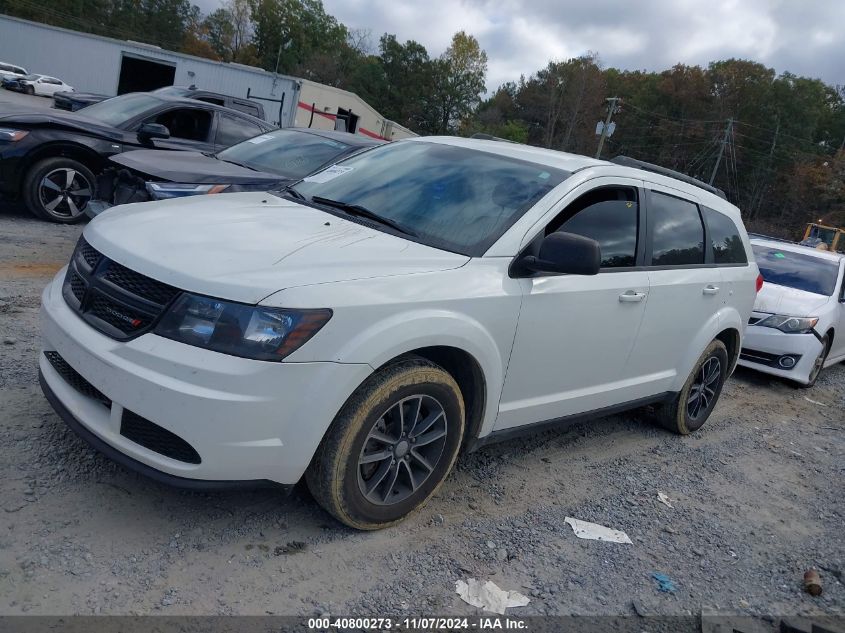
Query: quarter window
{"type": "Point", "coordinates": [609, 216]}
{"type": "Point", "coordinates": [677, 231]}
{"type": "Point", "coordinates": [724, 237]}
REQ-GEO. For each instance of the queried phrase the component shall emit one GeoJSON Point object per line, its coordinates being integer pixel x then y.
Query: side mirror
{"type": "Point", "coordinates": [566, 253]}
{"type": "Point", "coordinates": [150, 131]}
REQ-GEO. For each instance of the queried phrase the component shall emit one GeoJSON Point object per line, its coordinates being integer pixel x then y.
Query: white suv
{"type": "Point", "coordinates": [798, 324]}
{"type": "Point", "coordinates": [362, 326]}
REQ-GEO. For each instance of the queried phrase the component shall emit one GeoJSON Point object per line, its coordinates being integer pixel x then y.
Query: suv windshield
{"type": "Point", "coordinates": [285, 152]}
{"type": "Point", "coordinates": [457, 199]}
{"type": "Point", "coordinates": [118, 110]}
{"type": "Point", "coordinates": [796, 270]}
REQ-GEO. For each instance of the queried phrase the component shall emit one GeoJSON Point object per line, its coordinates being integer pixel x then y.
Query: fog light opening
{"type": "Point", "coordinates": [787, 362]}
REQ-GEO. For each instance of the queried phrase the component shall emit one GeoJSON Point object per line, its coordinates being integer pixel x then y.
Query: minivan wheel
{"type": "Point", "coordinates": [390, 447]}
{"type": "Point", "coordinates": [693, 405]}
{"type": "Point", "coordinates": [58, 189]}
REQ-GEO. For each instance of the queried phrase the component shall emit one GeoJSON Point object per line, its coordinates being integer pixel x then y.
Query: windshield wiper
{"type": "Point", "coordinates": [233, 162]}
{"type": "Point", "coordinates": [363, 212]}
{"type": "Point", "coordinates": [293, 193]}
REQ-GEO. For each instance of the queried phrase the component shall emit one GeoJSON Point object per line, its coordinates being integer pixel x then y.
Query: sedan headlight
{"type": "Point", "coordinates": [165, 190]}
{"type": "Point", "coordinates": [8, 134]}
{"type": "Point", "coordinates": [238, 329]}
{"type": "Point", "coordinates": [789, 324]}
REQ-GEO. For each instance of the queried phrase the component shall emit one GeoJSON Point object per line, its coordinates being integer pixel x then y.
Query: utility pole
{"type": "Point", "coordinates": [725, 138]}
{"type": "Point", "coordinates": [610, 111]}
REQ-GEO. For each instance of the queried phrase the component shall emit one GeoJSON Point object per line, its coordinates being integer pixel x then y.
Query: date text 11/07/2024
{"type": "Point", "coordinates": [483, 623]}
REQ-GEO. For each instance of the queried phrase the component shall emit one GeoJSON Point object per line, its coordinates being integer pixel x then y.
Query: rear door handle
{"type": "Point", "coordinates": [629, 296]}
{"type": "Point", "coordinates": [710, 289]}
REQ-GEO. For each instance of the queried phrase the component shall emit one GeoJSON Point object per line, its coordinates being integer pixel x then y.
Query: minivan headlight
{"type": "Point", "coordinates": [166, 190]}
{"type": "Point", "coordinates": [238, 329]}
{"type": "Point", "coordinates": [789, 324]}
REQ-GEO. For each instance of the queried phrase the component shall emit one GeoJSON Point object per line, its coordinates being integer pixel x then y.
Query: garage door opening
{"type": "Point", "coordinates": [141, 75]}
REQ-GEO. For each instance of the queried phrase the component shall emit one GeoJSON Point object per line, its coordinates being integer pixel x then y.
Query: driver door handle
{"type": "Point", "coordinates": [710, 289]}
{"type": "Point", "coordinates": [630, 296]}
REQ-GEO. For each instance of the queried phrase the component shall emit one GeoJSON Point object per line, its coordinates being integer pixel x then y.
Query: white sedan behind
{"type": "Point", "coordinates": [798, 324]}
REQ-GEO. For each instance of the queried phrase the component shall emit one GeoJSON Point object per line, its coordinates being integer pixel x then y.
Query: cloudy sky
{"type": "Point", "coordinates": [806, 37]}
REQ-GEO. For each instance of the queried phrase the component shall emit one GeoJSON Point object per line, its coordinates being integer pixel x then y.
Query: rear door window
{"type": "Point", "coordinates": [677, 234]}
{"type": "Point", "coordinates": [724, 238]}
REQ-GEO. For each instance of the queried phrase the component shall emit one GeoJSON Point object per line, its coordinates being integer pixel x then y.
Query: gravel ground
{"type": "Point", "coordinates": [757, 498]}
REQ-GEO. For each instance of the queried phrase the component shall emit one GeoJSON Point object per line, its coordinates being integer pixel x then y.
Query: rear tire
{"type": "Point", "coordinates": [29, 90]}
{"type": "Point", "coordinates": [391, 446]}
{"type": "Point", "coordinates": [691, 408]}
{"type": "Point", "coordinates": [58, 189]}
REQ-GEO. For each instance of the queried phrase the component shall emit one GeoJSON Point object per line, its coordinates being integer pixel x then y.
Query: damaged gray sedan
{"type": "Point", "coordinates": [265, 162]}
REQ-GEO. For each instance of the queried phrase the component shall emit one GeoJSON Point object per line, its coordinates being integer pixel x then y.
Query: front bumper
{"type": "Point", "coordinates": [774, 343]}
{"type": "Point", "coordinates": [248, 420]}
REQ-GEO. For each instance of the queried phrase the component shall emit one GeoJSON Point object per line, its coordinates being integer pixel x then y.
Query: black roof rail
{"type": "Point", "coordinates": [625, 161]}
{"type": "Point", "coordinates": [489, 137]}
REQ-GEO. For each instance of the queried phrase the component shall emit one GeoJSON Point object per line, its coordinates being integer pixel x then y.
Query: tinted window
{"type": "Point", "coordinates": [677, 232]}
{"type": "Point", "coordinates": [6, 68]}
{"type": "Point", "coordinates": [724, 237]}
{"type": "Point", "coordinates": [608, 216]}
{"type": "Point", "coordinates": [454, 198]}
{"type": "Point", "coordinates": [287, 153]}
{"type": "Point", "coordinates": [231, 130]}
{"type": "Point", "coordinates": [796, 270]}
{"type": "Point", "coordinates": [191, 124]}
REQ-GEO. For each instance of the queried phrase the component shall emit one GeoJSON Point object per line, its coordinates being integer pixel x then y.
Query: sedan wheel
{"type": "Point", "coordinates": [818, 364]}
{"type": "Point", "coordinates": [58, 189]}
{"type": "Point", "coordinates": [65, 192]}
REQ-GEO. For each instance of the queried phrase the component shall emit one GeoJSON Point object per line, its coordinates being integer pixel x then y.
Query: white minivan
{"type": "Point", "coordinates": [362, 326]}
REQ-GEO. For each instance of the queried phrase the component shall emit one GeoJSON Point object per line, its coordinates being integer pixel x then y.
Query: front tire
{"type": "Point", "coordinates": [818, 364]}
{"type": "Point", "coordinates": [390, 447]}
{"type": "Point", "coordinates": [58, 189]}
{"type": "Point", "coordinates": [693, 405]}
{"type": "Point", "coordinates": [29, 90]}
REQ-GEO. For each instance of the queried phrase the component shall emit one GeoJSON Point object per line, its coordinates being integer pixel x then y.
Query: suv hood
{"type": "Point", "coordinates": [776, 299]}
{"type": "Point", "coordinates": [192, 167]}
{"type": "Point", "coordinates": [247, 246]}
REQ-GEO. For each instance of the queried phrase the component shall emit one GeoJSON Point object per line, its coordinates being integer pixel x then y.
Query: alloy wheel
{"type": "Point", "coordinates": [819, 363]}
{"type": "Point", "coordinates": [64, 192]}
{"type": "Point", "coordinates": [402, 449]}
{"type": "Point", "coordinates": [703, 391]}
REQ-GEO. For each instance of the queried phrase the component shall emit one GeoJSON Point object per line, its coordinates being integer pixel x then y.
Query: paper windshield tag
{"type": "Point", "coordinates": [260, 139]}
{"type": "Point", "coordinates": [329, 174]}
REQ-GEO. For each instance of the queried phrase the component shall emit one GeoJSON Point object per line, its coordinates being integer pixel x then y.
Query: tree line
{"type": "Point", "coordinates": [778, 140]}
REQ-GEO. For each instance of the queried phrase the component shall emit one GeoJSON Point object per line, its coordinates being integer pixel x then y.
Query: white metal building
{"type": "Point", "coordinates": [91, 63]}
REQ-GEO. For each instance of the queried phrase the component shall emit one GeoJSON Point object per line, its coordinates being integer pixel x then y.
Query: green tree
{"type": "Point", "coordinates": [458, 83]}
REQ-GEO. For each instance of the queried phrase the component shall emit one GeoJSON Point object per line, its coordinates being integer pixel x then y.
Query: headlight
{"type": "Point", "coordinates": [8, 134]}
{"type": "Point", "coordinates": [789, 324]}
{"type": "Point", "coordinates": [165, 190]}
{"type": "Point", "coordinates": [240, 330]}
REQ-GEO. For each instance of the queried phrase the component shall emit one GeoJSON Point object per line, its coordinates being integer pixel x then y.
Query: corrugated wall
{"type": "Point", "coordinates": [92, 64]}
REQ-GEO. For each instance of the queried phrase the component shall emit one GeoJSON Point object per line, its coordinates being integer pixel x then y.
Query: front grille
{"type": "Point", "coordinates": [116, 315]}
{"type": "Point", "coordinates": [157, 439]}
{"type": "Point", "coordinates": [117, 301]}
{"type": "Point", "coordinates": [77, 287]}
{"type": "Point", "coordinates": [138, 284]}
{"type": "Point", "coordinates": [90, 254]}
{"type": "Point", "coordinates": [74, 379]}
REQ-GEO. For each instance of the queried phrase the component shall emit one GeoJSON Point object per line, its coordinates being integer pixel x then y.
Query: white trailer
{"type": "Point", "coordinates": [92, 63]}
